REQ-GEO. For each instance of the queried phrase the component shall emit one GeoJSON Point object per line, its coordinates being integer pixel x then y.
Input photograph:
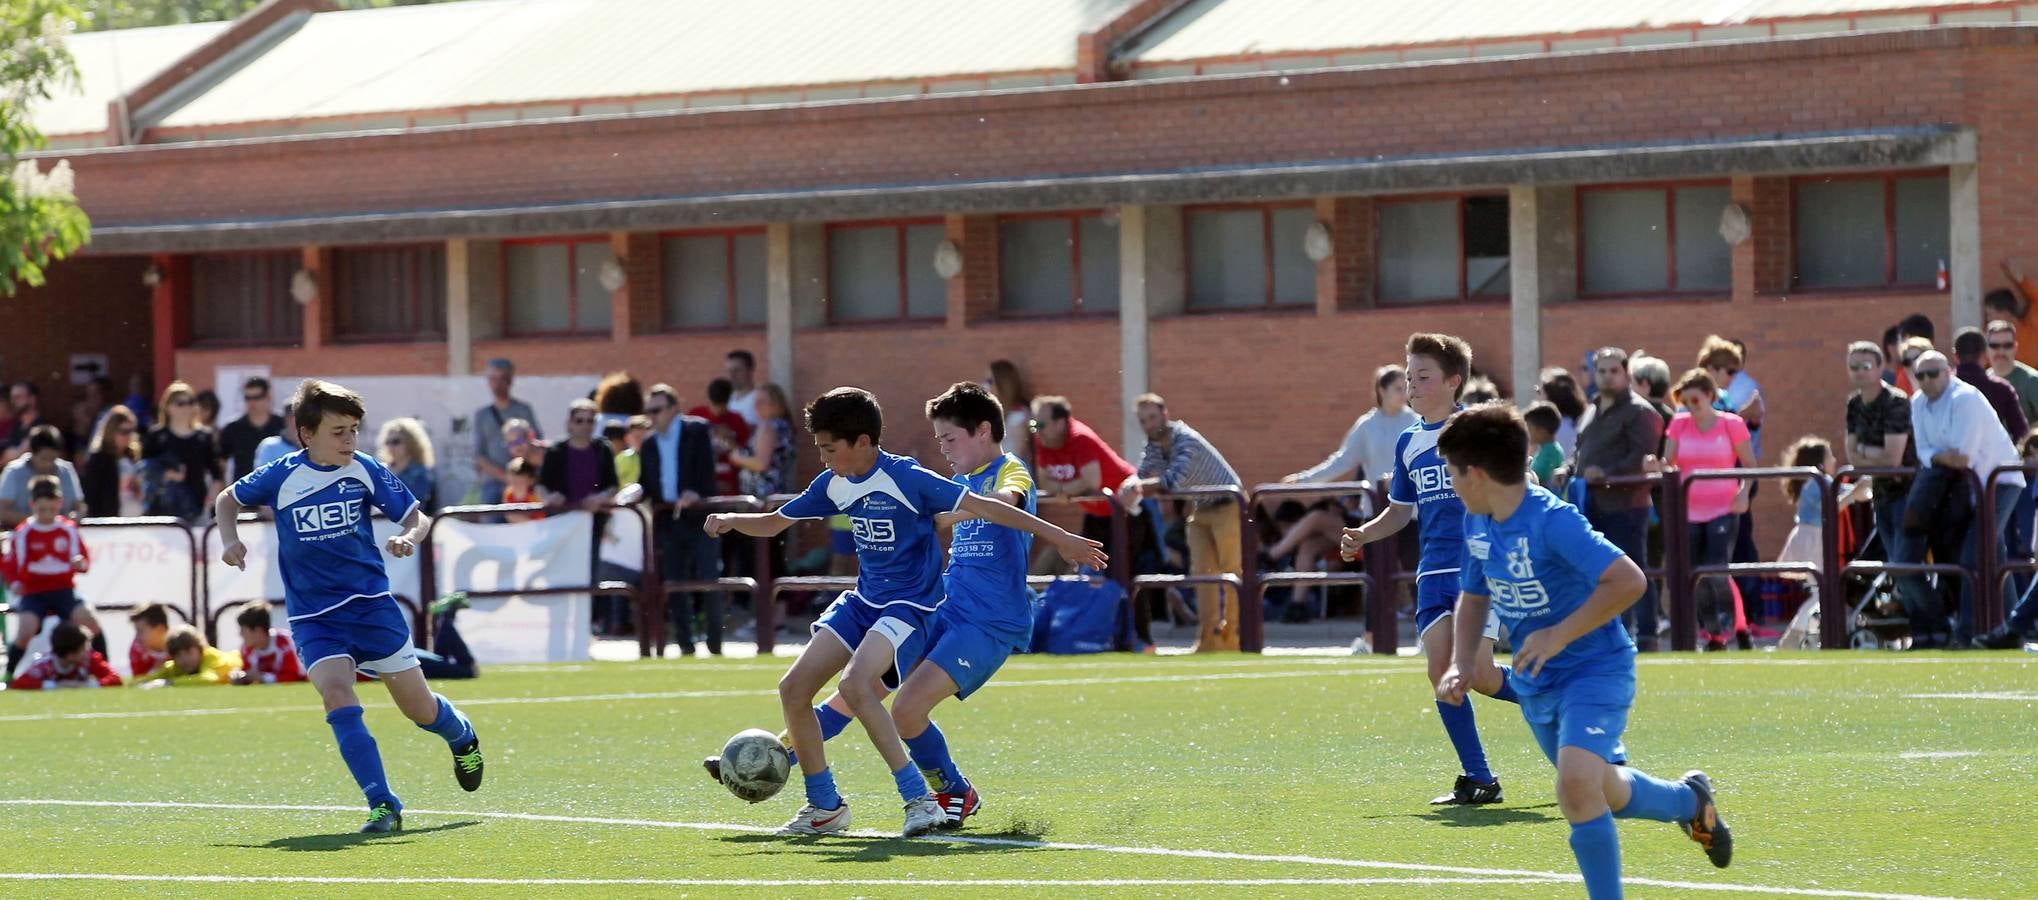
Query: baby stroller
{"type": "Point", "coordinates": [1876, 619]}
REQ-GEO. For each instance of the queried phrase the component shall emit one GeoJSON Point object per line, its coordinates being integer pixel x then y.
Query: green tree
{"type": "Point", "coordinates": [40, 221]}
{"type": "Point", "coordinates": [105, 15]}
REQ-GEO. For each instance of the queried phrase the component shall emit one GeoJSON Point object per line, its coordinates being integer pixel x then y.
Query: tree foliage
{"type": "Point", "coordinates": [104, 15]}
{"type": "Point", "coordinates": [40, 222]}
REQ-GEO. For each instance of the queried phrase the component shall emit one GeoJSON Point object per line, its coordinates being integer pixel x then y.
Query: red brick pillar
{"type": "Point", "coordinates": [973, 294]}
{"type": "Point", "coordinates": [1344, 281]}
{"type": "Point", "coordinates": [638, 307]}
{"type": "Point", "coordinates": [318, 314]}
{"type": "Point", "coordinates": [1762, 263]}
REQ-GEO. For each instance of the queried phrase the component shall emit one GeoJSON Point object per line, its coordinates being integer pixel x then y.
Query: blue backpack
{"type": "Point", "coordinates": [1082, 617]}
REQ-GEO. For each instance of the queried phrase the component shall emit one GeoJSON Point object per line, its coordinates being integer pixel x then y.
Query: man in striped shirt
{"type": "Point", "coordinates": [1178, 458]}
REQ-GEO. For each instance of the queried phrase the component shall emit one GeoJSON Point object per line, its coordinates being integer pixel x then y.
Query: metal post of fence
{"type": "Point", "coordinates": [1252, 624]}
{"type": "Point", "coordinates": [1832, 577]}
{"type": "Point", "coordinates": [764, 606]}
{"type": "Point", "coordinates": [1677, 560]}
{"type": "Point", "coordinates": [1384, 557]}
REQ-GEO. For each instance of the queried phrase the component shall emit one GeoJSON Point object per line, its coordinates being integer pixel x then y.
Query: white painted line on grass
{"type": "Point", "coordinates": [771, 882]}
{"type": "Point", "coordinates": [690, 695]}
{"type": "Point", "coordinates": [2018, 696]}
{"type": "Point", "coordinates": [1532, 876]}
{"type": "Point", "coordinates": [1940, 754]}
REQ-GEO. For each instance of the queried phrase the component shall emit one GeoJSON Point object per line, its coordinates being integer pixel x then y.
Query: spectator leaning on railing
{"type": "Point", "coordinates": [1702, 437]}
{"type": "Point", "coordinates": [1879, 436]}
{"type": "Point", "coordinates": [1970, 351]}
{"type": "Point", "coordinates": [1368, 448]}
{"type": "Point", "coordinates": [579, 472]}
{"type": "Point", "coordinates": [1956, 429]}
{"type": "Point", "coordinates": [1622, 433]}
{"type": "Point", "coordinates": [1178, 458]}
{"type": "Point", "coordinates": [678, 473]}
{"type": "Point", "coordinates": [1072, 461]}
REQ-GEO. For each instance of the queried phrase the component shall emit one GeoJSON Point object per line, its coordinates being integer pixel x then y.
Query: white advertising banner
{"type": "Point", "coordinates": [134, 566]}
{"type": "Point", "coordinates": [552, 552]}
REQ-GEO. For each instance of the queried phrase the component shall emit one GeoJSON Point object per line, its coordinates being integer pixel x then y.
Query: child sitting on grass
{"type": "Point", "coordinates": [269, 655]}
{"type": "Point", "coordinates": [71, 663]}
{"type": "Point", "coordinates": [192, 661]}
{"type": "Point", "coordinates": [151, 638]}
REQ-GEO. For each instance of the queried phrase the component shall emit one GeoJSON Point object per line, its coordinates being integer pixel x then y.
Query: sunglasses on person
{"type": "Point", "coordinates": [655, 410]}
{"type": "Point", "coordinates": [2005, 346]}
{"type": "Point", "coordinates": [184, 402]}
{"type": "Point", "coordinates": [582, 420]}
{"type": "Point", "coordinates": [1862, 367]}
{"type": "Point", "coordinates": [254, 398]}
{"type": "Point", "coordinates": [393, 442]}
{"type": "Point", "coordinates": [1929, 374]}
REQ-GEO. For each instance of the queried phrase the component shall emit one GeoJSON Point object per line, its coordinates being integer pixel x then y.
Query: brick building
{"type": "Point", "coordinates": [1245, 206]}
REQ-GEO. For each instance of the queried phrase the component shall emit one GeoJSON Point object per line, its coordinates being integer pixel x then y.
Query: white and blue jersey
{"type": "Point", "coordinates": [1421, 480]}
{"type": "Point", "coordinates": [325, 540]}
{"type": "Point", "coordinates": [1538, 567]}
{"type": "Point", "coordinates": [891, 512]}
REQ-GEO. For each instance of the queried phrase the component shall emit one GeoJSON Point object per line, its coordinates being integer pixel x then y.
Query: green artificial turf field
{"type": "Point", "coordinates": [1880, 774]}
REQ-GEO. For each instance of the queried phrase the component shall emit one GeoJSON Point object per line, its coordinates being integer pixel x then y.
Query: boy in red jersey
{"type": "Point", "coordinates": [45, 553]}
{"type": "Point", "coordinates": [71, 663]}
{"type": "Point", "coordinates": [268, 656]}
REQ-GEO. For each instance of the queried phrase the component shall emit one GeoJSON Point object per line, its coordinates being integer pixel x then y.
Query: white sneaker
{"type": "Point", "coordinates": [922, 816]}
{"type": "Point", "coordinates": [814, 820]}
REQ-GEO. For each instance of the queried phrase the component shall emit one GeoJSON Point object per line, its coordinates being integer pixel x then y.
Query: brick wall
{"type": "Point", "coordinates": [89, 305]}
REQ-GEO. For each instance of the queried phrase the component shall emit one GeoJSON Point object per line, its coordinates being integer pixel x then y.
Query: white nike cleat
{"type": "Point", "coordinates": [922, 816]}
{"type": "Point", "coordinates": [814, 820]}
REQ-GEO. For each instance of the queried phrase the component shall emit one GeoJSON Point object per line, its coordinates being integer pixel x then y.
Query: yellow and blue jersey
{"type": "Point", "coordinates": [986, 578]}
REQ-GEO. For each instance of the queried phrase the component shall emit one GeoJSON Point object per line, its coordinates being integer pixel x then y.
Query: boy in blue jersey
{"type": "Point", "coordinates": [1561, 587]}
{"type": "Point", "coordinates": [336, 591]}
{"type": "Point", "coordinates": [882, 626]}
{"type": "Point", "coordinates": [1420, 489]}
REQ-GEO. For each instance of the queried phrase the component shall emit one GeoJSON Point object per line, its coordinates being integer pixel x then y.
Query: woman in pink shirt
{"type": "Point", "coordinates": [1700, 437]}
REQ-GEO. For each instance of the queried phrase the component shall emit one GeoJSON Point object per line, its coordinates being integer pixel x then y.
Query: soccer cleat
{"type": "Point", "coordinates": [1466, 792]}
{"type": "Point", "coordinates": [922, 816]}
{"type": "Point", "coordinates": [957, 807]}
{"type": "Point", "coordinates": [1707, 828]}
{"type": "Point", "coordinates": [452, 602]}
{"type": "Point", "coordinates": [467, 765]}
{"type": "Point", "coordinates": [2000, 639]}
{"type": "Point", "coordinates": [714, 766]}
{"type": "Point", "coordinates": [814, 820]}
{"type": "Point", "coordinates": [383, 819]}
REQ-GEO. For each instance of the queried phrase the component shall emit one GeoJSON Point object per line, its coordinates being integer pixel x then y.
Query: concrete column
{"type": "Point", "coordinates": [778, 306]}
{"type": "Point", "coordinates": [1543, 265]}
{"type": "Point", "coordinates": [459, 303]}
{"type": "Point", "coordinates": [318, 322]}
{"type": "Point", "coordinates": [1150, 283]}
{"type": "Point", "coordinates": [1963, 270]}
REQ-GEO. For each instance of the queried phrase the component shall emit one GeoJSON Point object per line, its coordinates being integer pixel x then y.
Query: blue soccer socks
{"type": "Point", "coordinates": [451, 724]}
{"type": "Point", "coordinates": [1597, 846]}
{"type": "Point", "coordinates": [1657, 800]}
{"type": "Point", "coordinates": [364, 760]}
{"type": "Point", "coordinates": [1464, 732]}
{"type": "Point", "coordinates": [821, 793]}
{"type": "Point", "coordinates": [912, 785]}
{"type": "Point", "coordinates": [930, 753]}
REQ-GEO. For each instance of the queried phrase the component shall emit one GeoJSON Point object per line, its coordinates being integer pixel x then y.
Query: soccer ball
{"type": "Point", "coordinates": [755, 765]}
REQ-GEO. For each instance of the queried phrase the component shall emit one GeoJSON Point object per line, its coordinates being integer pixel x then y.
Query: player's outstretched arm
{"type": "Point", "coordinates": [1073, 547]}
{"type": "Point", "coordinates": [1390, 520]}
{"type": "Point", "coordinates": [226, 512]}
{"type": "Point", "coordinates": [414, 527]}
{"type": "Point", "coordinates": [1619, 587]}
{"type": "Point", "coordinates": [1468, 628]}
{"type": "Point", "coordinates": [762, 525]}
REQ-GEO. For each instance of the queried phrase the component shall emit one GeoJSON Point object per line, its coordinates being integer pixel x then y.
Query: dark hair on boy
{"type": "Point", "coordinates": [255, 616]}
{"type": "Point", "coordinates": [1544, 415]}
{"type": "Point", "coordinates": [845, 414]}
{"type": "Point", "coordinates": [317, 399]}
{"type": "Point", "coordinates": [256, 383]}
{"type": "Point", "coordinates": [968, 405]}
{"type": "Point", "coordinates": [44, 437]}
{"type": "Point", "coordinates": [45, 487]}
{"type": "Point", "coordinates": [1917, 325]}
{"type": "Point", "coordinates": [155, 615]}
{"type": "Point", "coordinates": [1490, 437]}
{"type": "Point", "coordinates": [720, 390]}
{"type": "Point", "coordinates": [749, 361]}
{"type": "Point", "coordinates": [1450, 353]}
{"type": "Point", "coordinates": [182, 638]}
{"type": "Point", "coordinates": [66, 638]}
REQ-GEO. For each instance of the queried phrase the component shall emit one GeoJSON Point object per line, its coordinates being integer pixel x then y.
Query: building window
{"type": "Point", "coordinates": [1249, 257]}
{"type": "Point", "coordinates": [554, 287]}
{"type": "Point", "coordinates": [244, 298]}
{"type": "Point", "coordinates": [1870, 231]}
{"type": "Point", "coordinates": [1059, 264]}
{"type": "Point", "coordinates": [714, 280]}
{"type": "Point", "coordinates": [879, 271]}
{"type": "Point", "coordinates": [1653, 240]}
{"type": "Point", "coordinates": [1453, 248]}
{"type": "Point", "coordinates": [396, 293]}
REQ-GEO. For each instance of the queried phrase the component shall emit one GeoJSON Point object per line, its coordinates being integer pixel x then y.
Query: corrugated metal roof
{"type": "Point", "coordinates": [483, 52]}
{"type": "Point", "coordinates": [1225, 28]}
{"type": "Point", "coordinates": [111, 63]}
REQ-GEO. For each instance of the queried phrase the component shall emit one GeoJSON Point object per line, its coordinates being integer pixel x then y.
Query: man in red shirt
{"type": "Point", "coordinates": [730, 431]}
{"type": "Point", "coordinates": [71, 663]}
{"type": "Point", "coordinates": [1072, 461]}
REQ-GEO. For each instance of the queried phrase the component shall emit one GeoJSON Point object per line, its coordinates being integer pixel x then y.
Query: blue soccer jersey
{"type": "Point", "coordinates": [1538, 567]}
{"type": "Point", "coordinates": [891, 513]}
{"type": "Point", "coordinates": [326, 542]}
{"type": "Point", "coordinates": [1421, 480]}
{"type": "Point", "coordinates": [986, 577]}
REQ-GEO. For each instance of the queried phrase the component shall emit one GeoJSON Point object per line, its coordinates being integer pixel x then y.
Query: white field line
{"type": "Point", "coordinates": [776, 882]}
{"type": "Point", "coordinates": [1940, 754]}
{"type": "Point", "coordinates": [2018, 696]}
{"type": "Point", "coordinates": [1528, 876]}
{"type": "Point", "coordinates": [688, 695]}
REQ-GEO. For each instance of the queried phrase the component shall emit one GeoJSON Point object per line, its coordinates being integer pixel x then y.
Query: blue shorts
{"type": "Point", "coordinates": [57, 603]}
{"type": "Point", "coordinates": [850, 619]}
{"type": "Point", "coordinates": [969, 654]}
{"type": "Point", "coordinates": [372, 632]}
{"type": "Point", "coordinates": [1436, 596]}
{"type": "Point", "coordinates": [1588, 711]}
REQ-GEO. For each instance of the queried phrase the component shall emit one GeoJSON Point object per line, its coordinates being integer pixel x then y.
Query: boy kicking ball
{"type": "Point", "coordinates": [1561, 587]}
{"type": "Point", "coordinates": [336, 591]}
{"type": "Point", "coordinates": [878, 629]}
